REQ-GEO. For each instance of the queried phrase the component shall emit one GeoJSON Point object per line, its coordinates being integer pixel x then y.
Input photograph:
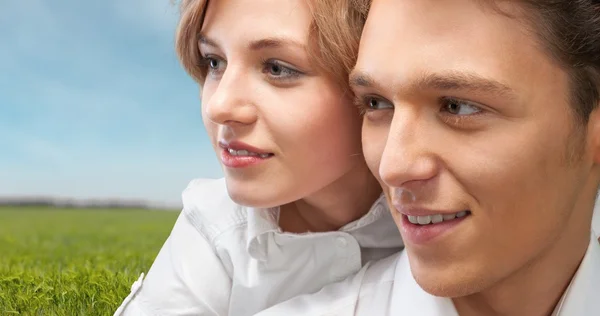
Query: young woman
{"type": "Point", "coordinates": [298, 207]}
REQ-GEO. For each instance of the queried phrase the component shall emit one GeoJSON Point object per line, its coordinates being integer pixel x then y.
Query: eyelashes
{"type": "Point", "coordinates": [274, 69]}
{"type": "Point", "coordinates": [212, 65]}
{"type": "Point", "coordinates": [455, 112]}
{"type": "Point", "coordinates": [450, 105]}
{"type": "Point", "coordinates": [372, 103]}
{"type": "Point", "coordinates": [459, 107]}
{"type": "Point", "coordinates": [279, 70]}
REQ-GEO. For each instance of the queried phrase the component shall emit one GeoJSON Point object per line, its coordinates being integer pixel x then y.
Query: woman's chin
{"type": "Point", "coordinates": [255, 194]}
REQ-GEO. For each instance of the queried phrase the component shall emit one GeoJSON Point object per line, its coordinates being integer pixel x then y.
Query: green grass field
{"type": "Point", "coordinates": [75, 262]}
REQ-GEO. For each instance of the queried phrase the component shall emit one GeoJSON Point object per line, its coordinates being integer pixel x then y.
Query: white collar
{"type": "Point", "coordinates": [577, 299]}
{"type": "Point", "coordinates": [262, 222]}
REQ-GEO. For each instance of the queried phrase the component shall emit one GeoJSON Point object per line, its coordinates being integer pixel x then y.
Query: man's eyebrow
{"type": "Point", "coordinates": [361, 79]}
{"type": "Point", "coordinates": [440, 81]}
{"type": "Point", "coordinates": [463, 81]}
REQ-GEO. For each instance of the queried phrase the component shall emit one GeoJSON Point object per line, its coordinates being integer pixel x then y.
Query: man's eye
{"type": "Point", "coordinates": [459, 107]}
{"type": "Point", "coordinates": [374, 103]}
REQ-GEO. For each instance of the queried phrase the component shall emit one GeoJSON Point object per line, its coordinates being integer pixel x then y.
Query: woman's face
{"type": "Point", "coordinates": [281, 128]}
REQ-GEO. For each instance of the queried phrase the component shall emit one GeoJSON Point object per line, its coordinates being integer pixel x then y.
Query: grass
{"type": "Point", "coordinates": [75, 262]}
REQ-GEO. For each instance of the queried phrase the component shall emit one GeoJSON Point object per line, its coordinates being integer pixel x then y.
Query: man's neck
{"type": "Point", "coordinates": [537, 288]}
{"type": "Point", "coordinates": [334, 206]}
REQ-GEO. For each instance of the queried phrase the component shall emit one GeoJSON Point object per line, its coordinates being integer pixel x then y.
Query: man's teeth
{"type": "Point", "coordinates": [244, 152]}
{"type": "Point", "coordinates": [434, 219]}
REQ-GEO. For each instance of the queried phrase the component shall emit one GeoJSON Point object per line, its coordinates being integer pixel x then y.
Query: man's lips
{"type": "Point", "coordinates": [436, 218]}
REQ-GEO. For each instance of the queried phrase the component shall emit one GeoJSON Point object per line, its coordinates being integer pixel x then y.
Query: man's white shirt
{"type": "Point", "coordinates": [387, 287]}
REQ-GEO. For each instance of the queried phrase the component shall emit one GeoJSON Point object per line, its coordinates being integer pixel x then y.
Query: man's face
{"type": "Point", "coordinates": [469, 128]}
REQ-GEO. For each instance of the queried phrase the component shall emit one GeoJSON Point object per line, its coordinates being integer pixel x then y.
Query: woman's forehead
{"type": "Point", "coordinates": [255, 20]}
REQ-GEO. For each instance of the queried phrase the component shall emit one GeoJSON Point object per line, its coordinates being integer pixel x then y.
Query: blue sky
{"type": "Point", "coordinates": [94, 104]}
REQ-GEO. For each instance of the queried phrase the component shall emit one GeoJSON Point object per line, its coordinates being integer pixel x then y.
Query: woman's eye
{"type": "Point", "coordinates": [276, 70]}
{"type": "Point", "coordinates": [459, 107]}
{"type": "Point", "coordinates": [213, 63]}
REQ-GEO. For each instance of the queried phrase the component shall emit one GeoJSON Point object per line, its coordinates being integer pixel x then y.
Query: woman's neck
{"type": "Point", "coordinates": [343, 201]}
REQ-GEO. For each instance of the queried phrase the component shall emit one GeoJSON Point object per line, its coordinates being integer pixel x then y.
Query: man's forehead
{"type": "Point", "coordinates": [436, 43]}
{"type": "Point", "coordinates": [387, 18]}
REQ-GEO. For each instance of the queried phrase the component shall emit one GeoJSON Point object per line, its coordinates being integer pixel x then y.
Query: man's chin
{"type": "Point", "coordinates": [448, 282]}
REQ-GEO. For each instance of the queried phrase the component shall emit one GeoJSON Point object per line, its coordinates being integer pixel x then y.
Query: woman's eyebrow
{"type": "Point", "coordinates": [259, 44]}
{"type": "Point", "coordinates": [203, 39]}
{"type": "Point", "coordinates": [274, 42]}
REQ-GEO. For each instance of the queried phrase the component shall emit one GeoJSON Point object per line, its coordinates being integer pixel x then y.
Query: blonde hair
{"type": "Point", "coordinates": [334, 32]}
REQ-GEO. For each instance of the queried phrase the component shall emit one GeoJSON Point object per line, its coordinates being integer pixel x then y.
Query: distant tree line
{"type": "Point", "coordinates": [73, 203]}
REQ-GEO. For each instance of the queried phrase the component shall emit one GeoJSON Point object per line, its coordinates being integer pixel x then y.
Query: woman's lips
{"type": "Point", "coordinates": [236, 154]}
{"type": "Point", "coordinates": [242, 158]}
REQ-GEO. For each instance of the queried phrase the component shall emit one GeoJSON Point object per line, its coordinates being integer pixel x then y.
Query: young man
{"type": "Point", "coordinates": [482, 124]}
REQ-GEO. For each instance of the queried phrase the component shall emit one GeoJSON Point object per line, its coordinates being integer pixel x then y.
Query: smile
{"type": "Point", "coordinates": [436, 218]}
{"type": "Point", "coordinates": [243, 157]}
{"type": "Point", "coordinates": [246, 153]}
